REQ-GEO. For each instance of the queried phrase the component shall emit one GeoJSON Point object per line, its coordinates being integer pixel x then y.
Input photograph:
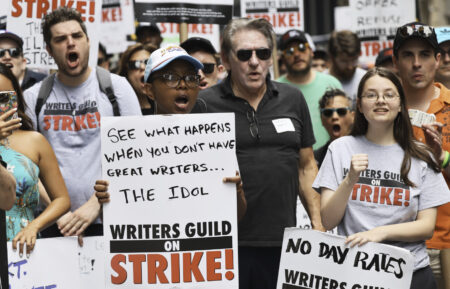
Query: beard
{"type": "Point", "coordinates": [299, 72]}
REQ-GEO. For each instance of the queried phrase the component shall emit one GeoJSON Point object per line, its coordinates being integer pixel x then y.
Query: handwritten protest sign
{"type": "Point", "coordinates": [58, 263]}
{"type": "Point", "coordinates": [312, 259]}
{"type": "Point", "coordinates": [177, 11]}
{"type": "Point", "coordinates": [284, 15]}
{"type": "Point", "coordinates": [375, 23]}
{"type": "Point", "coordinates": [25, 17]}
{"type": "Point", "coordinates": [171, 220]}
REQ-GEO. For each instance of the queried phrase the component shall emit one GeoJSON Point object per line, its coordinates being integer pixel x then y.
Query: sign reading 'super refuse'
{"type": "Point", "coordinates": [171, 221]}
{"type": "Point", "coordinates": [311, 259]}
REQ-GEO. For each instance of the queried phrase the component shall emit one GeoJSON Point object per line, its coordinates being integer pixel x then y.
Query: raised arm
{"type": "Point", "coordinates": [333, 203]}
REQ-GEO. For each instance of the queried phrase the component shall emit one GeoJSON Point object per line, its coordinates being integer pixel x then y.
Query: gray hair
{"type": "Point", "coordinates": [235, 25]}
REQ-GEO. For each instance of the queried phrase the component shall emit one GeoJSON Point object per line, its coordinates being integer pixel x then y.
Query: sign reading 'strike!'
{"type": "Point", "coordinates": [171, 220]}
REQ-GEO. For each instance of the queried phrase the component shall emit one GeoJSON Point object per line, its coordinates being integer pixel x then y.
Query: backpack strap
{"type": "Point", "coordinates": [44, 92]}
{"type": "Point", "coordinates": [104, 80]}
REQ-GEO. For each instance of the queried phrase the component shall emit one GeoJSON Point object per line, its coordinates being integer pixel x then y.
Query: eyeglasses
{"type": "Point", "coordinates": [419, 30]}
{"type": "Point", "coordinates": [291, 50]}
{"type": "Point", "coordinates": [328, 112]}
{"type": "Point", "coordinates": [254, 130]}
{"type": "Point", "coordinates": [173, 80]}
{"type": "Point", "coordinates": [208, 68]}
{"type": "Point", "coordinates": [246, 54]}
{"type": "Point", "coordinates": [373, 96]}
{"type": "Point", "coordinates": [137, 64]}
{"type": "Point", "coordinates": [13, 52]}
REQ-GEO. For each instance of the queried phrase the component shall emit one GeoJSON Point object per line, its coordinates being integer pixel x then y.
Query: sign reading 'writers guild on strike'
{"type": "Point", "coordinates": [171, 222]}
{"type": "Point", "coordinates": [312, 259]}
{"type": "Point", "coordinates": [178, 11]}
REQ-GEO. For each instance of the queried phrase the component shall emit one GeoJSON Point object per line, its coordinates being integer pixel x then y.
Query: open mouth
{"type": "Point", "coordinates": [72, 59]}
{"type": "Point", "coordinates": [336, 128]}
{"type": "Point", "coordinates": [203, 85]}
{"type": "Point", "coordinates": [181, 102]}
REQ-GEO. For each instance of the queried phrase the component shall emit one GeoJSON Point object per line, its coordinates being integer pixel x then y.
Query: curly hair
{"type": "Point", "coordinates": [61, 14]}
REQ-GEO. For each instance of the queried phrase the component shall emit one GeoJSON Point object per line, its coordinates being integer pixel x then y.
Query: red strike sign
{"type": "Point", "coordinates": [41, 7]}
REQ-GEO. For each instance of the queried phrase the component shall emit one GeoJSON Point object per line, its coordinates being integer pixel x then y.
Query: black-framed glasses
{"type": "Point", "coordinates": [341, 111]}
{"type": "Point", "coordinates": [302, 47]}
{"type": "Point", "coordinates": [254, 130]}
{"type": "Point", "coordinates": [208, 68]}
{"type": "Point", "coordinates": [137, 64]}
{"type": "Point", "coordinates": [416, 29]}
{"type": "Point", "coordinates": [13, 52]}
{"type": "Point", "coordinates": [173, 80]}
{"type": "Point", "coordinates": [373, 96]}
{"type": "Point", "coordinates": [261, 53]}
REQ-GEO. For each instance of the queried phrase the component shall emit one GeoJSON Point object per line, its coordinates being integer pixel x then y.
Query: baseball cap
{"type": "Point", "coordinates": [384, 55]}
{"type": "Point", "coordinates": [415, 30]}
{"type": "Point", "coordinates": [442, 34]}
{"type": "Point", "coordinates": [295, 35]}
{"type": "Point", "coordinates": [195, 44]}
{"type": "Point", "coordinates": [163, 56]}
{"type": "Point", "coordinates": [11, 36]}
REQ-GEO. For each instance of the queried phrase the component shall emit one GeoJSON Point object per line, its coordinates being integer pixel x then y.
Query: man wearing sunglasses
{"type": "Point", "coordinates": [274, 141]}
{"type": "Point", "coordinates": [204, 51]}
{"type": "Point", "coordinates": [443, 72]}
{"type": "Point", "coordinates": [297, 54]}
{"type": "Point", "coordinates": [417, 56]}
{"type": "Point", "coordinates": [11, 54]}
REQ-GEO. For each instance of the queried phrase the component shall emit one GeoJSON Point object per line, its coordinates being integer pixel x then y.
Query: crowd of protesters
{"type": "Point", "coordinates": [295, 136]}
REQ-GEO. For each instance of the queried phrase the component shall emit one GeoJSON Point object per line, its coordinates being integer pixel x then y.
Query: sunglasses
{"type": "Point", "coordinates": [13, 52]}
{"type": "Point", "coordinates": [301, 47]}
{"type": "Point", "coordinates": [208, 68]}
{"type": "Point", "coordinates": [418, 30]}
{"type": "Point", "coordinates": [137, 64]}
{"type": "Point", "coordinates": [328, 112]}
{"type": "Point", "coordinates": [246, 54]}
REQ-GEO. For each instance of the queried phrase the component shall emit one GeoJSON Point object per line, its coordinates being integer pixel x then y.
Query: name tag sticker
{"type": "Point", "coordinates": [283, 125]}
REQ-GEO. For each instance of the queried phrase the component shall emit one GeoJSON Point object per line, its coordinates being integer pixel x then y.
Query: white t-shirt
{"type": "Point", "coordinates": [379, 197]}
{"type": "Point", "coordinates": [70, 120]}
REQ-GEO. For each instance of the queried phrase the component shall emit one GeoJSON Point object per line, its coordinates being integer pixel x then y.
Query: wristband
{"type": "Point", "coordinates": [446, 160]}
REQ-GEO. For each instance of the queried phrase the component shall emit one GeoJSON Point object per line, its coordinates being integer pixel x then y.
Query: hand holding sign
{"type": "Point", "coordinates": [361, 238]}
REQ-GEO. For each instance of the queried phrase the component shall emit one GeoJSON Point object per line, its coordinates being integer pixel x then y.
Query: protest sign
{"type": "Point", "coordinates": [283, 15]}
{"type": "Point", "coordinates": [58, 263]}
{"type": "Point", "coordinates": [24, 20]}
{"type": "Point", "coordinates": [179, 11]}
{"type": "Point", "coordinates": [177, 221]}
{"type": "Point", "coordinates": [4, 11]}
{"type": "Point", "coordinates": [375, 23]}
{"type": "Point", "coordinates": [118, 20]}
{"type": "Point", "coordinates": [312, 259]}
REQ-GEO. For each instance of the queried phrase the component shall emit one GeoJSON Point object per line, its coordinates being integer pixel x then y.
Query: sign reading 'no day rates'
{"type": "Point", "coordinates": [171, 221]}
{"type": "Point", "coordinates": [178, 11]}
{"type": "Point", "coordinates": [312, 259]}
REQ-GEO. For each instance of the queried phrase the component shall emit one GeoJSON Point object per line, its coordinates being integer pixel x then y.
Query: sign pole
{"type": "Point", "coordinates": [183, 31]}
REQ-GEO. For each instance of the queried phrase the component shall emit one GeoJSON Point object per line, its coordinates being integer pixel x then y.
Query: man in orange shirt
{"type": "Point", "coordinates": [417, 56]}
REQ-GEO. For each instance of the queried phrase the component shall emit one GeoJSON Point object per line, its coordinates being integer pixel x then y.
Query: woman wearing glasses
{"type": "Point", "coordinates": [30, 158]}
{"type": "Point", "coordinates": [380, 156]}
{"type": "Point", "coordinates": [132, 66]}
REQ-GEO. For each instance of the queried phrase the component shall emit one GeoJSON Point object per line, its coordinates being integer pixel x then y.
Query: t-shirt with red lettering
{"type": "Point", "coordinates": [70, 120]}
{"type": "Point", "coordinates": [380, 197]}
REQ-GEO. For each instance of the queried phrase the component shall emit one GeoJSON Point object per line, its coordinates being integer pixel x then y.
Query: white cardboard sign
{"type": "Point", "coordinates": [171, 221]}
{"type": "Point", "coordinates": [312, 259]}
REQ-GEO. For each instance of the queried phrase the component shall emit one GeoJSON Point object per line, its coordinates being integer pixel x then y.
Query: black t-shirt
{"type": "Point", "coordinates": [268, 164]}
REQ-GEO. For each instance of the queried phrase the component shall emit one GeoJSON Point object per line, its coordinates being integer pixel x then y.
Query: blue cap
{"type": "Point", "coordinates": [443, 34]}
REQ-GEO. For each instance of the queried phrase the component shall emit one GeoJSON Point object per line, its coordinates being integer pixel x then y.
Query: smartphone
{"type": "Point", "coordinates": [8, 101]}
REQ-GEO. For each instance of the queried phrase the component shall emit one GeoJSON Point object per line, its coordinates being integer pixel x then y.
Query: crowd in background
{"type": "Point", "coordinates": [295, 135]}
